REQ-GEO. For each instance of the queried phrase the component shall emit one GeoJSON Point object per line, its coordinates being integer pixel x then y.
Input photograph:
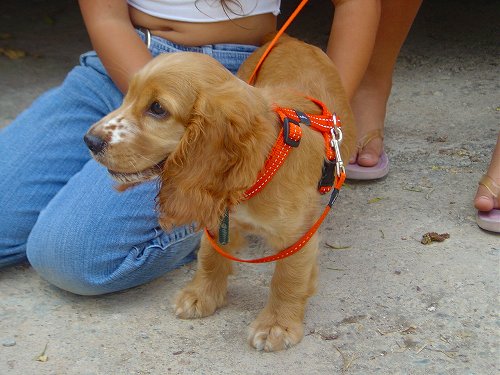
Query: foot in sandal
{"type": "Point", "coordinates": [370, 162]}
{"type": "Point", "coordinates": [487, 199]}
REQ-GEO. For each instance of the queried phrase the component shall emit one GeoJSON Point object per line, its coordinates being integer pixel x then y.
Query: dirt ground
{"type": "Point", "coordinates": [386, 303]}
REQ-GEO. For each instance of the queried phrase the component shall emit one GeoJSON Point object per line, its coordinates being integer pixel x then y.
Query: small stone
{"type": "Point", "coordinates": [327, 336]}
{"type": "Point", "coordinates": [8, 342]}
{"type": "Point", "coordinates": [430, 237]}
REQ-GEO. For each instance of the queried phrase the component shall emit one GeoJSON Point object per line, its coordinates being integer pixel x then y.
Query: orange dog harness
{"type": "Point", "coordinates": [326, 123]}
{"type": "Point", "coordinates": [290, 134]}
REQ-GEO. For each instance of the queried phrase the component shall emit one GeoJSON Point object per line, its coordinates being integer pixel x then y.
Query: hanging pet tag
{"type": "Point", "coordinates": [224, 228]}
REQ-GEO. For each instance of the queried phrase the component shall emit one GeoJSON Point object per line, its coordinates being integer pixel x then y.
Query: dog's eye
{"type": "Point", "coordinates": [156, 110]}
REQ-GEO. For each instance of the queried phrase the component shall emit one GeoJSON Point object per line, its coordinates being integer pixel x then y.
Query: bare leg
{"type": "Point", "coordinates": [484, 200]}
{"type": "Point", "coordinates": [370, 99]}
{"type": "Point", "coordinates": [352, 38]}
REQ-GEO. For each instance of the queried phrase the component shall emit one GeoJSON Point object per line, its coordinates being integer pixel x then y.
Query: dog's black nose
{"type": "Point", "coordinates": [94, 143]}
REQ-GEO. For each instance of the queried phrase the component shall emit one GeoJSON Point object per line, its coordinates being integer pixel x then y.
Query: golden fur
{"type": "Point", "coordinates": [209, 148]}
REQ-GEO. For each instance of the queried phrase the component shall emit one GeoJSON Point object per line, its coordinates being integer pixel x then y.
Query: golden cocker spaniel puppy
{"type": "Point", "coordinates": [207, 134]}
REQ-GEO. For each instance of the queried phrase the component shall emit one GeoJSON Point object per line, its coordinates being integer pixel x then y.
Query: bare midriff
{"type": "Point", "coordinates": [248, 30]}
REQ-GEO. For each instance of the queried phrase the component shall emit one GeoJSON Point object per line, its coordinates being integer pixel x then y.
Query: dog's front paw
{"type": "Point", "coordinates": [191, 303]}
{"type": "Point", "coordinates": [270, 336]}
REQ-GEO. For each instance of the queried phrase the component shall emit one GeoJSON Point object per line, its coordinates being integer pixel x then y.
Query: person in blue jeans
{"type": "Point", "coordinates": [58, 208]}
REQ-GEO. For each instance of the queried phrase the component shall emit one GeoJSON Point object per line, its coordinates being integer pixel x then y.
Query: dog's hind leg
{"type": "Point", "coordinates": [280, 324]}
{"type": "Point", "coordinates": [207, 291]}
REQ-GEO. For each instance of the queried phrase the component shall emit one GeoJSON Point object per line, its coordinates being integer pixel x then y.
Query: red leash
{"type": "Point", "coordinates": [275, 39]}
{"type": "Point", "coordinates": [339, 181]}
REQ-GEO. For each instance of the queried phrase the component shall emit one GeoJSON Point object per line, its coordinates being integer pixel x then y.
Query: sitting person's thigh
{"type": "Point", "coordinates": [92, 239]}
{"type": "Point", "coordinates": [43, 148]}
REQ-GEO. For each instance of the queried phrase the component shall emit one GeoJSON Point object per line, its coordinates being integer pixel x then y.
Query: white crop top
{"type": "Point", "coordinates": [205, 10]}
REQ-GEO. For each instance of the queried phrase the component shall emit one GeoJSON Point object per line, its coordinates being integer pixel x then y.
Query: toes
{"type": "Point", "coordinates": [369, 154]}
{"type": "Point", "coordinates": [191, 305]}
{"type": "Point", "coordinates": [274, 338]}
{"type": "Point", "coordinates": [368, 158]}
{"type": "Point", "coordinates": [484, 200]}
{"type": "Point", "coordinates": [483, 203]}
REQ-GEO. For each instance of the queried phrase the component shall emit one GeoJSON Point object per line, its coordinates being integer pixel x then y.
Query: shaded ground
{"type": "Point", "coordinates": [386, 303]}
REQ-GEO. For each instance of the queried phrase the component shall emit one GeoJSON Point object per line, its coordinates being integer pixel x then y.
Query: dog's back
{"type": "Point", "coordinates": [302, 68]}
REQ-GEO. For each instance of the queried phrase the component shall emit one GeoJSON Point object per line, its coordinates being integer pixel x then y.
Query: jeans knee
{"type": "Point", "coordinates": [54, 258]}
{"type": "Point", "coordinates": [78, 260]}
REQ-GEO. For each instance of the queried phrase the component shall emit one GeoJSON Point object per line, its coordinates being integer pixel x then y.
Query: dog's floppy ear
{"type": "Point", "coordinates": [223, 149]}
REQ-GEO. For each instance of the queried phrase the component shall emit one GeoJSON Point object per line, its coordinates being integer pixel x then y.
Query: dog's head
{"type": "Point", "coordinates": [188, 120]}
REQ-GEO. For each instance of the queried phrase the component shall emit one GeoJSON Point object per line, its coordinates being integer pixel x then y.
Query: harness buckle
{"type": "Point", "coordinates": [327, 177]}
{"type": "Point", "coordinates": [303, 118]}
{"type": "Point", "coordinates": [286, 132]}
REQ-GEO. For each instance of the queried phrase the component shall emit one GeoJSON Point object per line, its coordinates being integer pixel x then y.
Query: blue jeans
{"type": "Point", "coordinates": [58, 208]}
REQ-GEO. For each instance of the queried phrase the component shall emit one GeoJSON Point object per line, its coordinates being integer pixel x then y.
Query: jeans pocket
{"type": "Point", "coordinates": [91, 60]}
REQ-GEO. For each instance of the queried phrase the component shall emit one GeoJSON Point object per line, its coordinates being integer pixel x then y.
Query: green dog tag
{"type": "Point", "coordinates": [224, 228]}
